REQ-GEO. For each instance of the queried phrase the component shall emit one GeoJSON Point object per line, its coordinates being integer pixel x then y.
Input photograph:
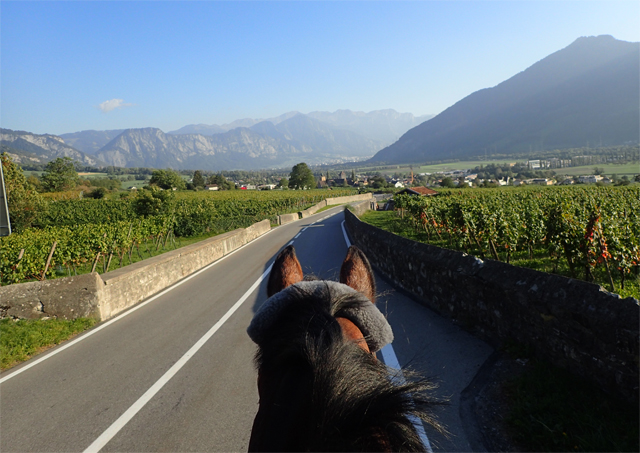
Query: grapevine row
{"type": "Point", "coordinates": [585, 227]}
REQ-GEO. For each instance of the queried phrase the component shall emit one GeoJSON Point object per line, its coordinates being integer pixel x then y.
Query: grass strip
{"type": "Point", "coordinates": [21, 339]}
{"type": "Point", "coordinates": [553, 410]}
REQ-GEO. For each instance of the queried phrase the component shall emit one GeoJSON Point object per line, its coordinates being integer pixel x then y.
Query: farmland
{"type": "Point", "coordinates": [81, 235]}
{"type": "Point", "coordinates": [591, 233]}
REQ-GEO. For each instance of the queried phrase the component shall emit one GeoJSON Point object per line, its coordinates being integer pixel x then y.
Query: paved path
{"type": "Point", "coordinates": [176, 374]}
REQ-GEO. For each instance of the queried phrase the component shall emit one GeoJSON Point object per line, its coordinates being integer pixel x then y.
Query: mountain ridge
{"type": "Point", "coordinates": [550, 104]}
{"type": "Point", "coordinates": [41, 148]}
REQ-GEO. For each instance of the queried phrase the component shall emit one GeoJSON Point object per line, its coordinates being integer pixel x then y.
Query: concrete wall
{"type": "Point", "coordinates": [574, 324]}
{"type": "Point", "coordinates": [67, 298]}
{"type": "Point", "coordinates": [287, 218]}
{"type": "Point", "coordinates": [334, 201]}
{"type": "Point", "coordinates": [349, 199]}
{"type": "Point", "coordinates": [313, 209]}
{"type": "Point", "coordinates": [104, 296]}
{"type": "Point", "coordinates": [360, 208]}
{"type": "Point", "coordinates": [131, 284]}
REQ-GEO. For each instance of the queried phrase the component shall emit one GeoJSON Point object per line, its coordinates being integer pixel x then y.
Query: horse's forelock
{"type": "Point", "coordinates": [320, 296]}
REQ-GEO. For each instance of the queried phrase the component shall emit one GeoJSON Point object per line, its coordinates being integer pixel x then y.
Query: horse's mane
{"type": "Point", "coordinates": [345, 399]}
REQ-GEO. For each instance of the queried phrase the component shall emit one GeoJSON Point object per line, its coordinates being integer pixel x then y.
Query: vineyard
{"type": "Point", "coordinates": [591, 233]}
{"type": "Point", "coordinates": [78, 236]}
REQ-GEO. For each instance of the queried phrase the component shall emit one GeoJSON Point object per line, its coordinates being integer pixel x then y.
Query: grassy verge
{"type": "Point", "coordinates": [552, 410]}
{"type": "Point", "coordinates": [19, 340]}
{"type": "Point", "coordinates": [389, 221]}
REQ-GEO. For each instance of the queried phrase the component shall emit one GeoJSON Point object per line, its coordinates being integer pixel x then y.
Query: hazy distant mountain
{"type": "Point", "coordinates": [307, 133]}
{"type": "Point", "coordinates": [586, 93]}
{"type": "Point", "coordinates": [293, 138]}
{"type": "Point", "coordinates": [385, 126]}
{"type": "Point", "coordinates": [240, 148]}
{"type": "Point", "coordinates": [90, 141]}
{"type": "Point", "coordinates": [43, 148]}
{"type": "Point", "coordinates": [213, 129]}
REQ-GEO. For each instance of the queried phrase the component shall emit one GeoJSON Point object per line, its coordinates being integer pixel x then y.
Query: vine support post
{"type": "Point", "coordinates": [109, 262]}
{"type": "Point", "coordinates": [46, 267]}
{"type": "Point", "coordinates": [95, 262]}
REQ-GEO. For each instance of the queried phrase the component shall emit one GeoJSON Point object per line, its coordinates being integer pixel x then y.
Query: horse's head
{"type": "Point", "coordinates": [320, 385]}
{"type": "Point", "coordinates": [349, 302]}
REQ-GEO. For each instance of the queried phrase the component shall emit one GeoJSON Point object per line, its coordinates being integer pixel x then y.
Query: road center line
{"type": "Point", "coordinates": [391, 360]}
{"type": "Point", "coordinates": [116, 426]}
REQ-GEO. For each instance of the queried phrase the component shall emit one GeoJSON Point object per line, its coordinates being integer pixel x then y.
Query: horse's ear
{"type": "Point", "coordinates": [285, 272]}
{"type": "Point", "coordinates": [356, 272]}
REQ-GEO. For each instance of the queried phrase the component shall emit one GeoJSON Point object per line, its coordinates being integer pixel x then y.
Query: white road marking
{"type": "Point", "coordinates": [297, 235]}
{"type": "Point", "coordinates": [290, 243]}
{"type": "Point", "coordinates": [391, 360]}
{"type": "Point", "coordinates": [119, 317]}
{"type": "Point", "coordinates": [116, 426]}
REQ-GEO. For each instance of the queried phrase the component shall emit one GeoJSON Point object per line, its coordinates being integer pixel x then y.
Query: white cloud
{"type": "Point", "coordinates": [113, 104]}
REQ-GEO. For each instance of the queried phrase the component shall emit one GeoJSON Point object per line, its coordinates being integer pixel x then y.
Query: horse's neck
{"type": "Point", "coordinates": [279, 424]}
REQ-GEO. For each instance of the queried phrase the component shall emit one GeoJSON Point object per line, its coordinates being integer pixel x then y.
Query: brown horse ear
{"type": "Point", "coordinates": [356, 272]}
{"type": "Point", "coordinates": [286, 271]}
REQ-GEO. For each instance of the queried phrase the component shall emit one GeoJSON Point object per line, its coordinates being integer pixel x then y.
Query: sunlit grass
{"type": "Point", "coordinates": [21, 339]}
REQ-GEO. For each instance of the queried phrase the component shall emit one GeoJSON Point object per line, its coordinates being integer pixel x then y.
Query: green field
{"type": "Point", "coordinates": [609, 169]}
{"type": "Point", "coordinates": [463, 165]}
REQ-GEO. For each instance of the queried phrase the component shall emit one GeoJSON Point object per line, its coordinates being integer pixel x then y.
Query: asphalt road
{"type": "Point", "coordinates": [176, 373]}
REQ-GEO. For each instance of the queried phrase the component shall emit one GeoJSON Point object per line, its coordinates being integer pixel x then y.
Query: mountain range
{"type": "Point", "coordinates": [585, 94]}
{"type": "Point", "coordinates": [26, 147]}
{"type": "Point", "coordinates": [319, 137]}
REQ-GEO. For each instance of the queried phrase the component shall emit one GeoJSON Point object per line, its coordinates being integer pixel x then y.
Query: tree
{"type": "Point", "coordinates": [59, 175]}
{"type": "Point", "coordinates": [167, 179]}
{"type": "Point", "coordinates": [97, 193]}
{"type": "Point", "coordinates": [378, 182]}
{"type": "Point", "coordinates": [301, 177]}
{"type": "Point", "coordinates": [221, 182]}
{"type": "Point", "coordinates": [447, 182]}
{"type": "Point", "coordinates": [23, 200]}
{"type": "Point", "coordinates": [198, 179]}
{"type": "Point", "coordinates": [153, 201]}
{"type": "Point", "coordinates": [284, 183]}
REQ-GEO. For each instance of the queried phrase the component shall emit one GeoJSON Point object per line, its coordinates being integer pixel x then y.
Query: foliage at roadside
{"type": "Point", "coordinates": [24, 202]}
{"type": "Point", "coordinates": [23, 338]}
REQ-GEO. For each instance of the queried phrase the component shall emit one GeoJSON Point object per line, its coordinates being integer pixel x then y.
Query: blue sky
{"type": "Point", "coordinates": [71, 66]}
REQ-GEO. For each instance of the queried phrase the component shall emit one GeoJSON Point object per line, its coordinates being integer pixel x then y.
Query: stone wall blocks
{"type": "Point", "coordinates": [565, 320]}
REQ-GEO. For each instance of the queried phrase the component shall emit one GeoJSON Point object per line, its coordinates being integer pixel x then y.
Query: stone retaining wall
{"type": "Point", "coordinates": [574, 324]}
{"type": "Point", "coordinates": [104, 296]}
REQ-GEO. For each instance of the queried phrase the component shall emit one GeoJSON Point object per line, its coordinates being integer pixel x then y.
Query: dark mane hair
{"type": "Point", "coordinates": [339, 397]}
